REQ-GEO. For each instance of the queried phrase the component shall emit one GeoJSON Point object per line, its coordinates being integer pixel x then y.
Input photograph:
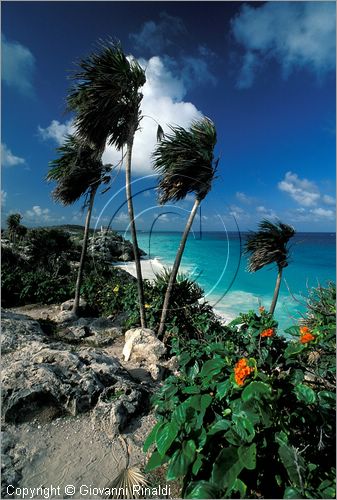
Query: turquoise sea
{"type": "Point", "coordinates": [216, 262]}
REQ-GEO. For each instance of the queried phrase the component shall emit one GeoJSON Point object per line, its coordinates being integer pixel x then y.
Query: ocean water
{"type": "Point", "coordinates": [216, 262]}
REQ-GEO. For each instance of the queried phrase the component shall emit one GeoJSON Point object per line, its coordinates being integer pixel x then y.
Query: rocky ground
{"type": "Point", "coordinates": [71, 404]}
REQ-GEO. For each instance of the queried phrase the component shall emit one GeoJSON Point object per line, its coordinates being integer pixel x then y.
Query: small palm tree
{"type": "Point", "coordinates": [13, 225]}
{"type": "Point", "coordinates": [106, 99]}
{"type": "Point", "coordinates": [185, 163]}
{"type": "Point", "coordinates": [78, 171]}
{"type": "Point", "coordinates": [267, 246]}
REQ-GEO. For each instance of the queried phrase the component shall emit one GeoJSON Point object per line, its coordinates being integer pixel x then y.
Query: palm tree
{"type": "Point", "coordinates": [78, 171]}
{"type": "Point", "coordinates": [106, 100]}
{"type": "Point", "coordinates": [13, 224]}
{"type": "Point", "coordinates": [185, 163]}
{"type": "Point", "coordinates": [267, 246]}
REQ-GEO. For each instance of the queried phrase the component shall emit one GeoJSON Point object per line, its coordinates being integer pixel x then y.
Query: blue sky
{"type": "Point", "coordinates": [264, 72]}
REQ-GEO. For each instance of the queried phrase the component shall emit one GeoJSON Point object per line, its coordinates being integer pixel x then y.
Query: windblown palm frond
{"type": "Point", "coordinates": [76, 170]}
{"type": "Point", "coordinates": [106, 96]}
{"type": "Point", "coordinates": [185, 161]}
{"type": "Point", "coordinates": [268, 245]}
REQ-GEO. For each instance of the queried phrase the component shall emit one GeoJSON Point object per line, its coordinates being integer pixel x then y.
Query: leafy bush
{"type": "Point", "coordinates": [40, 271]}
{"type": "Point", "coordinates": [253, 415]}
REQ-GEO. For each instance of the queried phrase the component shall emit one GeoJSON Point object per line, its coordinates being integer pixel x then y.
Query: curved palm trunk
{"type": "Point", "coordinates": [276, 291]}
{"type": "Point", "coordinates": [175, 268]}
{"type": "Point", "coordinates": [84, 251]}
{"type": "Point", "coordinates": [134, 233]}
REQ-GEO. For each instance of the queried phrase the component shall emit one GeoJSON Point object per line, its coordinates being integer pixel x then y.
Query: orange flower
{"type": "Point", "coordinates": [304, 330]}
{"type": "Point", "coordinates": [261, 309]}
{"type": "Point", "coordinates": [267, 333]}
{"type": "Point", "coordinates": [242, 371]}
{"type": "Point", "coordinates": [306, 337]}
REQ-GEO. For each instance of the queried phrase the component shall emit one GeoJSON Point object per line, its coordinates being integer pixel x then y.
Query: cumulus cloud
{"type": "Point", "coordinates": [296, 34]}
{"type": "Point", "coordinates": [3, 197]}
{"type": "Point", "coordinates": [57, 131]}
{"type": "Point", "coordinates": [265, 212]}
{"type": "Point", "coordinates": [163, 102]}
{"type": "Point", "coordinates": [323, 213]}
{"type": "Point", "coordinates": [38, 214]}
{"type": "Point", "coordinates": [243, 198]}
{"type": "Point", "coordinates": [328, 200]}
{"type": "Point", "coordinates": [8, 159]}
{"type": "Point", "coordinates": [303, 191]}
{"type": "Point", "coordinates": [17, 66]}
{"type": "Point", "coordinates": [155, 37]}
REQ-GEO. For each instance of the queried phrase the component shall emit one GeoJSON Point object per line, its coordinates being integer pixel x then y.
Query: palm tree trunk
{"type": "Point", "coordinates": [133, 232]}
{"type": "Point", "coordinates": [175, 268]}
{"type": "Point", "coordinates": [76, 305]}
{"type": "Point", "coordinates": [276, 291]}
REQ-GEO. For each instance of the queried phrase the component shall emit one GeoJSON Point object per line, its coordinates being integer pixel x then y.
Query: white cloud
{"type": "Point", "coordinates": [8, 159]}
{"type": "Point", "coordinates": [323, 213]}
{"type": "Point", "coordinates": [157, 36]}
{"type": "Point", "coordinates": [163, 100]}
{"type": "Point", "coordinates": [57, 131]}
{"type": "Point", "coordinates": [328, 200]}
{"type": "Point", "coordinates": [303, 191]}
{"type": "Point", "coordinates": [17, 66]}
{"type": "Point", "coordinates": [163, 95]}
{"type": "Point", "coordinates": [296, 34]}
{"type": "Point", "coordinates": [3, 197]}
{"type": "Point", "coordinates": [265, 212]}
{"type": "Point", "coordinates": [243, 198]}
{"type": "Point", "coordinates": [38, 214]}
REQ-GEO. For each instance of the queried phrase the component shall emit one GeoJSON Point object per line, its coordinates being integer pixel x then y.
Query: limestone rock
{"type": "Point", "coordinates": [68, 305]}
{"type": "Point", "coordinates": [18, 330]}
{"type": "Point", "coordinates": [118, 404]}
{"type": "Point", "coordinates": [65, 317]}
{"type": "Point", "coordinates": [41, 380]}
{"type": "Point", "coordinates": [141, 344]}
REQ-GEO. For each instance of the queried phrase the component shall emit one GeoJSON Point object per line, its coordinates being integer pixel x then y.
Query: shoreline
{"type": "Point", "coordinates": [150, 267]}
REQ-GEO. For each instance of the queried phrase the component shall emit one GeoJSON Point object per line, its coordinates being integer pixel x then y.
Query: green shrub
{"type": "Point", "coordinates": [251, 416]}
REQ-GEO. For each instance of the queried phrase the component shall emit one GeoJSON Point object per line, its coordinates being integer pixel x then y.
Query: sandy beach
{"type": "Point", "coordinates": [150, 267]}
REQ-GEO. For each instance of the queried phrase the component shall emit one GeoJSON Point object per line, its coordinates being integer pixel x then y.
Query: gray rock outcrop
{"type": "Point", "coordinates": [44, 380]}
{"type": "Point", "coordinates": [111, 247]}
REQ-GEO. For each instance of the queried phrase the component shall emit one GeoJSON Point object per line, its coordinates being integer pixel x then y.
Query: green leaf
{"type": "Point", "coordinates": [212, 367]}
{"type": "Point", "coordinates": [291, 493]}
{"type": "Point", "coordinates": [305, 393]}
{"type": "Point", "coordinates": [220, 425]}
{"type": "Point", "coordinates": [293, 330]}
{"type": "Point", "coordinates": [202, 489]}
{"type": "Point", "coordinates": [197, 464]}
{"type": "Point", "coordinates": [293, 349]}
{"type": "Point", "coordinates": [181, 460]}
{"type": "Point", "coordinates": [155, 461]}
{"type": "Point", "coordinates": [165, 437]}
{"type": "Point", "coordinates": [151, 437]}
{"type": "Point", "coordinates": [240, 487]}
{"type": "Point", "coordinates": [293, 462]}
{"type": "Point", "coordinates": [247, 456]}
{"type": "Point", "coordinates": [255, 390]}
{"type": "Point", "coordinates": [191, 389]}
{"type": "Point", "coordinates": [243, 427]}
{"type": "Point", "coordinates": [223, 388]}
{"type": "Point", "coordinates": [205, 401]}
{"type": "Point", "coordinates": [179, 414]}
{"type": "Point", "coordinates": [193, 370]}
{"type": "Point", "coordinates": [226, 468]}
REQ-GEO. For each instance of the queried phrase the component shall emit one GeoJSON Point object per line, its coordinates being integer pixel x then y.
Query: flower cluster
{"type": "Point", "coordinates": [261, 309]}
{"type": "Point", "coordinates": [306, 335]}
{"type": "Point", "coordinates": [267, 333]}
{"type": "Point", "coordinates": [242, 371]}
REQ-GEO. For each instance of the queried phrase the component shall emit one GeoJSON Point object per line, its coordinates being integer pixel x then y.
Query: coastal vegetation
{"type": "Point", "coordinates": [267, 246]}
{"type": "Point", "coordinates": [106, 98]}
{"type": "Point", "coordinates": [249, 411]}
{"type": "Point", "coordinates": [185, 163]}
